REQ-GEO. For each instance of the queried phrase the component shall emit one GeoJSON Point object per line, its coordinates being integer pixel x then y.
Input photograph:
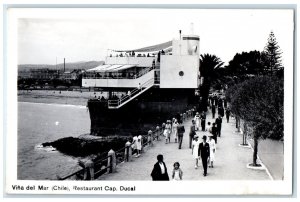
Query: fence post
{"type": "Point", "coordinates": [111, 161]}
{"type": "Point", "coordinates": [128, 152]}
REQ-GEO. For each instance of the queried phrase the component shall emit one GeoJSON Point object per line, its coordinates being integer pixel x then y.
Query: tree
{"type": "Point", "coordinates": [209, 64]}
{"type": "Point", "coordinates": [273, 54]}
{"type": "Point", "coordinates": [259, 102]}
{"type": "Point", "coordinates": [246, 63]}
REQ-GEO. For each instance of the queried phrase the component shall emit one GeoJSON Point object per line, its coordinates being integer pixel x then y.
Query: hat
{"type": "Point", "coordinates": [204, 137]}
{"type": "Point", "coordinates": [210, 135]}
{"type": "Point", "coordinates": [196, 136]}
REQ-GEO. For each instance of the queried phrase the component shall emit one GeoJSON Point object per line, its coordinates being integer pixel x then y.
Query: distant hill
{"type": "Point", "coordinates": [69, 66]}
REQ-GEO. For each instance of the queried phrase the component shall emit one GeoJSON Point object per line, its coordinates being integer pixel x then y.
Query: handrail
{"type": "Point", "coordinates": [83, 169]}
{"type": "Point", "coordinates": [155, 131]}
{"type": "Point", "coordinates": [145, 86]}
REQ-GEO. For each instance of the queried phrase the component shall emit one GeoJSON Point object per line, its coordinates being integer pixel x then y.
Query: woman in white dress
{"type": "Point", "coordinates": [168, 133]}
{"type": "Point", "coordinates": [134, 145]}
{"type": "Point", "coordinates": [139, 145]}
{"type": "Point", "coordinates": [175, 131]}
{"type": "Point", "coordinates": [197, 120]}
{"type": "Point", "coordinates": [195, 148]}
{"type": "Point", "coordinates": [212, 148]}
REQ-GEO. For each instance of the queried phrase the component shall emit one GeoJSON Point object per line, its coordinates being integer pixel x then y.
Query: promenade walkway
{"type": "Point", "coordinates": [231, 159]}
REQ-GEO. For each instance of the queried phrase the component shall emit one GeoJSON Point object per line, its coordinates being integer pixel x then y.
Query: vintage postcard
{"type": "Point", "coordinates": [116, 100]}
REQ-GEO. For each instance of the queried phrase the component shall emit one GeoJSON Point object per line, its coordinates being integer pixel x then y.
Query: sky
{"type": "Point", "coordinates": [46, 37]}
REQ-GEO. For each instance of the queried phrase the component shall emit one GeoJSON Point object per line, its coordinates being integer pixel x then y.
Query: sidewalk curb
{"type": "Point", "coordinates": [263, 167]}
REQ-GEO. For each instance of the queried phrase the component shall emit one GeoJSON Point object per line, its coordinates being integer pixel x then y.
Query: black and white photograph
{"type": "Point", "coordinates": [112, 99]}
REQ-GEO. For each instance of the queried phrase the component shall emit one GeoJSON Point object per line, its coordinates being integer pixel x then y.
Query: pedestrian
{"type": "Point", "coordinates": [163, 126]}
{"type": "Point", "coordinates": [203, 119]}
{"type": "Point", "coordinates": [227, 114]}
{"type": "Point", "coordinates": [177, 172]}
{"type": "Point", "coordinates": [175, 131]}
{"type": "Point", "coordinates": [129, 93]}
{"type": "Point", "coordinates": [214, 132]}
{"type": "Point", "coordinates": [139, 87]}
{"type": "Point", "coordinates": [219, 125]}
{"type": "Point", "coordinates": [221, 111]}
{"type": "Point", "coordinates": [197, 120]}
{"type": "Point", "coordinates": [134, 145]}
{"type": "Point", "coordinates": [204, 153]}
{"type": "Point", "coordinates": [181, 131]}
{"type": "Point", "coordinates": [150, 138]}
{"type": "Point", "coordinates": [139, 145]}
{"type": "Point", "coordinates": [157, 132]}
{"type": "Point", "coordinates": [159, 171]}
{"type": "Point", "coordinates": [195, 150]}
{"type": "Point", "coordinates": [168, 131]}
{"type": "Point", "coordinates": [213, 111]}
{"type": "Point", "coordinates": [184, 116]}
{"type": "Point", "coordinates": [192, 133]}
{"type": "Point", "coordinates": [225, 103]}
{"type": "Point", "coordinates": [212, 147]}
{"type": "Point", "coordinates": [209, 127]}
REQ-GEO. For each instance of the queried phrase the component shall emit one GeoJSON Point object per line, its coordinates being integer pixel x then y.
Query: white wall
{"type": "Point", "coordinates": [170, 67]}
{"type": "Point", "coordinates": [126, 83]}
{"type": "Point", "coordinates": [139, 61]}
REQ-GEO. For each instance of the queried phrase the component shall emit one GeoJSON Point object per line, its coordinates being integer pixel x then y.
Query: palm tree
{"type": "Point", "coordinates": [209, 64]}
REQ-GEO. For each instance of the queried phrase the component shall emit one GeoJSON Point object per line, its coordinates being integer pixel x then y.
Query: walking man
{"type": "Point", "coordinates": [192, 133]}
{"type": "Point", "coordinates": [213, 111]}
{"type": "Point", "coordinates": [159, 172]}
{"type": "Point", "coordinates": [204, 152]}
{"type": "Point", "coordinates": [227, 114]}
{"type": "Point", "coordinates": [219, 125]}
{"type": "Point", "coordinates": [203, 119]}
{"type": "Point", "coordinates": [181, 131]}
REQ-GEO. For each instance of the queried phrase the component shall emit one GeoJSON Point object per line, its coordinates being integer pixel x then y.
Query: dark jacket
{"type": "Point", "coordinates": [204, 150]}
{"type": "Point", "coordinates": [218, 122]}
{"type": "Point", "coordinates": [156, 173]}
{"type": "Point", "coordinates": [180, 130]}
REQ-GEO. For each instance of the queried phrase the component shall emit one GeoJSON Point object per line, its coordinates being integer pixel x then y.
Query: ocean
{"type": "Point", "coordinates": [39, 123]}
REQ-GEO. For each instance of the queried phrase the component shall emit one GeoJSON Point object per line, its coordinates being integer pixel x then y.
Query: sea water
{"type": "Point", "coordinates": [39, 123]}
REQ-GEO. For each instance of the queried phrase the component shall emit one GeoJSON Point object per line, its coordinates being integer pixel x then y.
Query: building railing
{"type": "Point", "coordinates": [132, 94]}
{"type": "Point", "coordinates": [117, 75]}
{"type": "Point", "coordinates": [107, 164]}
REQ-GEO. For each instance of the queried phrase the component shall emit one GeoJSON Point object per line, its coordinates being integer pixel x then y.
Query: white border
{"type": "Point", "coordinates": [207, 187]}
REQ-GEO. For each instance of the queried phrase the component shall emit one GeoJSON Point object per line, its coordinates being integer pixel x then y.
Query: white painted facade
{"type": "Point", "coordinates": [172, 65]}
{"type": "Point", "coordinates": [181, 69]}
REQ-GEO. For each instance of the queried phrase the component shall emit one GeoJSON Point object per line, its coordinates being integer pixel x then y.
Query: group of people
{"type": "Point", "coordinates": [204, 150]}
{"type": "Point", "coordinates": [160, 172]}
{"type": "Point", "coordinates": [173, 128]}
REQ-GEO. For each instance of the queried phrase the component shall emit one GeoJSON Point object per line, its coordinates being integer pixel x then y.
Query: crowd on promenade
{"type": "Point", "coordinates": [203, 139]}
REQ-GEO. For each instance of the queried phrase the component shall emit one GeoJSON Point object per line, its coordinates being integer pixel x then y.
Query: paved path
{"type": "Point", "coordinates": [230, 164]}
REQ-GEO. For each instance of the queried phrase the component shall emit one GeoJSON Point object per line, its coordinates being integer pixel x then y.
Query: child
{"type": "Point", "coordinates": [177, 172]}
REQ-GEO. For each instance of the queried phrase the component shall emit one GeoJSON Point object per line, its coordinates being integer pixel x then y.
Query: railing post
{"type": "Point", "coordinates": [111, 161]}
{"type": "Point", "coordinates": [128, 152]}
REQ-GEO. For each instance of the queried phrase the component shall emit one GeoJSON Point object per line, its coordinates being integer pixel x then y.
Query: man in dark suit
{"type": "Point", "coordinates": [204, 153]}
{"type": "Point", "coordinates": [159, 172]}
{"type": "Point", "coordinates": [219, 125]}
{"type": "Point", "coordinates": [181, 130]}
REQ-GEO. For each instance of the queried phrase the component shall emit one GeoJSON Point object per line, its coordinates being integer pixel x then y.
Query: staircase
{"type": "Point", "coordinates": [115, 104]}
